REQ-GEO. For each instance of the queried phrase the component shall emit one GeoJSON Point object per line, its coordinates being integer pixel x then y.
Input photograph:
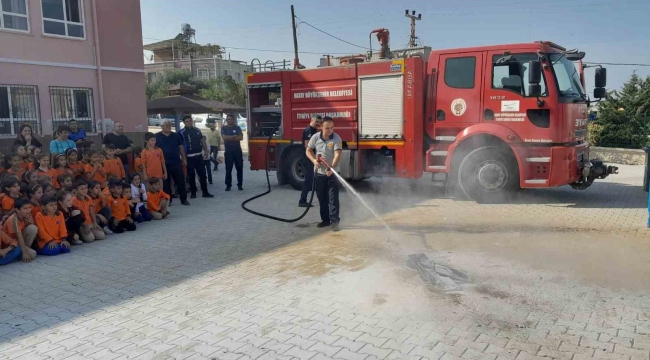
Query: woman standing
{"type": "Point", "coordinates": [26, 137]}
{"type": "Point", "coordinates": [61, 143]}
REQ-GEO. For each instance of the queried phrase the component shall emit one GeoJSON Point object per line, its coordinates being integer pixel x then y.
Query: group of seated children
{"type": "Point", "coordinates": [46, 210]}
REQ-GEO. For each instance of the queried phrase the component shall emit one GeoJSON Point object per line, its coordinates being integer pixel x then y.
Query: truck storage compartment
{"type": "Point", "coordinates": [265, 104]}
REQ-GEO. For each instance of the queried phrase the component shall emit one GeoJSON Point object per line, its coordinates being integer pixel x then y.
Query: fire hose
{"type": "Point", "coordinates": [268, 191]}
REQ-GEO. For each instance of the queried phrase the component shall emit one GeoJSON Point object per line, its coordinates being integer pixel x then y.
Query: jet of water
{"type": "Point", "coordinates": [351, 190]}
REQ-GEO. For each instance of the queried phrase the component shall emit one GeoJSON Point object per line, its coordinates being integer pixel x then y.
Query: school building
{"type": "Point", "coordinates": [71, 59]}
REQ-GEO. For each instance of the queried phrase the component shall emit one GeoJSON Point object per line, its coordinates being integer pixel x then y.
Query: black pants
{"type": "Point", "coordinates": [121, 226]}
{"type": "Point", "coordinates": [195, 164]}
{"type": "Point", "coordinates": [73, 225]}
{"type": "Point", "coordinates": [234, 158]}
{"type": "Point", "coordinates": [309, 180]}
{"type": "Point", "coordinates": [175, 172]}
{"type": "Point", "coordinates": [327, 190]}
{"type": "Point", "coordinates": [208, 169]}
{"type": "Point", "coordinates": [214, 153]}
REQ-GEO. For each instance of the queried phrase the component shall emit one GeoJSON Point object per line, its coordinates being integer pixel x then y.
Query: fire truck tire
{"type": "Point", "coordinates": [294, 168]}
{"type": "Point", "coordinates": [489, 175]}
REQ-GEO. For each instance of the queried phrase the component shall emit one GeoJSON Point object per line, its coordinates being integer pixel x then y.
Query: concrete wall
{"type": "Point", "coordinates": [618, 156]}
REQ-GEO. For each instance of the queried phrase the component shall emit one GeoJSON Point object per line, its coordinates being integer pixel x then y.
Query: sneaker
{"type": "Point", "coordinates": [207, 195]}
{"type": "Point", "coordinates": [186, 203]}
{"type": "Point", "coordinates": [335, 226]}
{"type": "Point", "coordinates": [323, 224]}
{"type": "Point", "coordinates": [76, 242]}
{"type": "Point", "coordinates": [303, 204]}
{"type": "Point", "coordinates": [228, 188]}
{"type": "Point", "coordinates": [107, 231]}
{"type": "Point", "coordinates": [240, 188]}
{"type": "Point", "coordinates": [193, 196]}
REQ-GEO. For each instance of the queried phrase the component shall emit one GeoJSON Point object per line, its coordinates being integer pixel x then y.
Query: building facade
{"type": "Point", "coordinates": [71, 59]}
{"type": "Point", "coordinates": [205, 68]}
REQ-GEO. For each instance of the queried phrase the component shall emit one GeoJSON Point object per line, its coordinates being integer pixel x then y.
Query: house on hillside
{"type": "Point", "coordinates": [203, 61]}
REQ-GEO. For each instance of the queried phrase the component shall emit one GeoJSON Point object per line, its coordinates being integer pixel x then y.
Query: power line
{"type": "Point", "coordinates": [328, 34]}
{"type": "Point", "coordinates": [615, 64]}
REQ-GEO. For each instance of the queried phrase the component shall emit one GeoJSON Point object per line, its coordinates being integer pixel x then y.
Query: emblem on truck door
{"type": "Point", "coordinates": [458, 107]}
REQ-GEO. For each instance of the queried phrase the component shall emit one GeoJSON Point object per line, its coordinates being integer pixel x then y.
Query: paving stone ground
{"type": "Point", "coordinates": [558, 273]}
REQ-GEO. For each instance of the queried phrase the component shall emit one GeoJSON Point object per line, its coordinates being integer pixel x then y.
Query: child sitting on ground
{"type": "Point", "coordinates": [91, 228]}
{"type": "Point", "coordinates": [157, 200]}
{"type": "Point", "coordinates": [133, 204]}
{"type": "Point", "coordinates": [33, 154]}
{"type": "Point", "coordinates": [74, 165]}
{"type": "Point", "coordinates": [30, 178]}
{"type": "Point", "coordinates": [48, 189]}
{"type": "Point", "coordinates": [10, 192]}
{"type": "Point", "coordinates": [21, 231]}
{"type": "Point", "coordinates": [100, 206]}
{"type": "Point", "coordinates": [95, 169]}
{"type": "Point", "coordinates": [139, 193]}
{"type": "Point", "coordinates": [35, 196]}
{"type": "Point", "coordinates": [113, 165]}
{"type": "Point", "coordinates": [60, 164]}
{"type": "Point", "coordinates": [74, 218]}
{"type": "Point", "coordinates": [16, 166]}
{"type": "Point", "coordinates": [52, 233]}
{"type": "Point", "coordinates": [43, 169]}
{"type": "Point", "coordinates": [120, 208]}
{"type": "Point", "coordinates": [64, 181]}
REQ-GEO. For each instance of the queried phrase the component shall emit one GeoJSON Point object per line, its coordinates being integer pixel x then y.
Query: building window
{"type": "Point", "coordinates": [151, 77]}
{"type": "Point", "coordinates": [203, 74]}
{"type": "Point", "coordinates": [63, 18]}
{"type": "Point", "coordinates": [72, 103]}
{"type": "Point", "coordinates": [238, 76]}
{"type": "Point", "coordinates": [225, 73]}
{"type": "Point", "coordinates": [459, 72]}
{"type": "Point", "coordinates": [14, 15]}
{"type": "Point", "coordinates": [18, 105]}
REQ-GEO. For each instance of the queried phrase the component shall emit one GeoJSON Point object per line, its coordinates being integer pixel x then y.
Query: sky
{"type": "Point", "coordinates": [608, 31]}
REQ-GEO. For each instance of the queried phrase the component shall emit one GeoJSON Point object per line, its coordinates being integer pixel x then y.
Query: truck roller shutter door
{"type": "Point", "coordinates": [382, 104]}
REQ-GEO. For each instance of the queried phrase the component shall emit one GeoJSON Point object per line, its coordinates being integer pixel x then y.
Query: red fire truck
{"type": "Point", "coordinates": [493, 119]}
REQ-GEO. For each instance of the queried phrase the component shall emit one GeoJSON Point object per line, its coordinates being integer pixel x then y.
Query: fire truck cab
{"type": "Point", "coordinates": [492, 119]}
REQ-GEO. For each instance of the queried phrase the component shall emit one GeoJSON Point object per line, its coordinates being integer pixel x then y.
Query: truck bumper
{"type": "Point", "coordinates": [562, 165]}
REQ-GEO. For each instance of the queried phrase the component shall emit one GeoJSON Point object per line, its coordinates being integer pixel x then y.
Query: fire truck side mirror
{"type": "Point", "coordinates": [600, 93]}
{"type": "Point", "coordinates": [601, 77]}
{"type": "Point", "coordinates": [534, 90]}
{"type": "Point", "coordinates": [534, 72]}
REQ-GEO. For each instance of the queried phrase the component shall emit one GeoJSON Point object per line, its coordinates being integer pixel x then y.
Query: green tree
{"type": "Point", "coordinates": [160, 87]}
{"type": "Point", "coordinates": [226, 89]}
{"type": "Point", "coordinates": [623, 116]}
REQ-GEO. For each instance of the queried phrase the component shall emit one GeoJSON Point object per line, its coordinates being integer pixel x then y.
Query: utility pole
{"type": "Point", "coordinates": [413, 19]}
{"type": "Point", "coordinates": [296, 61]}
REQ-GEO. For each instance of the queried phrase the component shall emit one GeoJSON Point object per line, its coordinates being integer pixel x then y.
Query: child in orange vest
{"type": "Point", "coordinates": [157, 200]}
{"type": "Point", "coordinates": [120, 208]}
{"type": "Point", "coordinates": [113, 165]}
{"type": "Point", "coordinates": [52, 232]}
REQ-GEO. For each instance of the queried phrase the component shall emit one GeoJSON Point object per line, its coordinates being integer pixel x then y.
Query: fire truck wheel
{"type": "Point", "coordinates": [294, 168]}
{"type": "Point", "coordinates": [488, 175]}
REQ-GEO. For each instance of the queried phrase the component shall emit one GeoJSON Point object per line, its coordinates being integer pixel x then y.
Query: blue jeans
{"type": "Point", "coordinates": [56, 250]}
{"type": "Point", "coordinates": [11, 256]}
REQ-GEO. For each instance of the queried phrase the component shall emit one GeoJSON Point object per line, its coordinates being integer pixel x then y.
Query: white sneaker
{"type": "Point", "coordinates": [107, 231]}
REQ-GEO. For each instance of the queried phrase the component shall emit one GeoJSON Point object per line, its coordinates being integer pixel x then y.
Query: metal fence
{"type": "Point", "coordinates": [72, 103]}
{"type": "Point", "coordinates": [18, 105]}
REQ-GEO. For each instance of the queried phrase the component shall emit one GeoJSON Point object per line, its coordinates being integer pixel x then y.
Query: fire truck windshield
{"type": "Point", "coordinates": [566, 74]}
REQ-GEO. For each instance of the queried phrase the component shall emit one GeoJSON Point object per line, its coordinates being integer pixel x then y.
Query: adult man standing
{"type": "Point", "coordinates": [232, 135]}
{"type": "Point", "coordinates": [76, 134]}
{"type": "Point", "coordinates": [122, 144]}
{"type": "Point", "coordinates": [310, 130]}
{"type": "Point", "coordinates": [172, 147]}
{"type": "Point", "coordinates": [214, 140]}
{"type": "Point", "coordinates": [196, 151]}
{"type": "Point", "coordinates": [328, 145]}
